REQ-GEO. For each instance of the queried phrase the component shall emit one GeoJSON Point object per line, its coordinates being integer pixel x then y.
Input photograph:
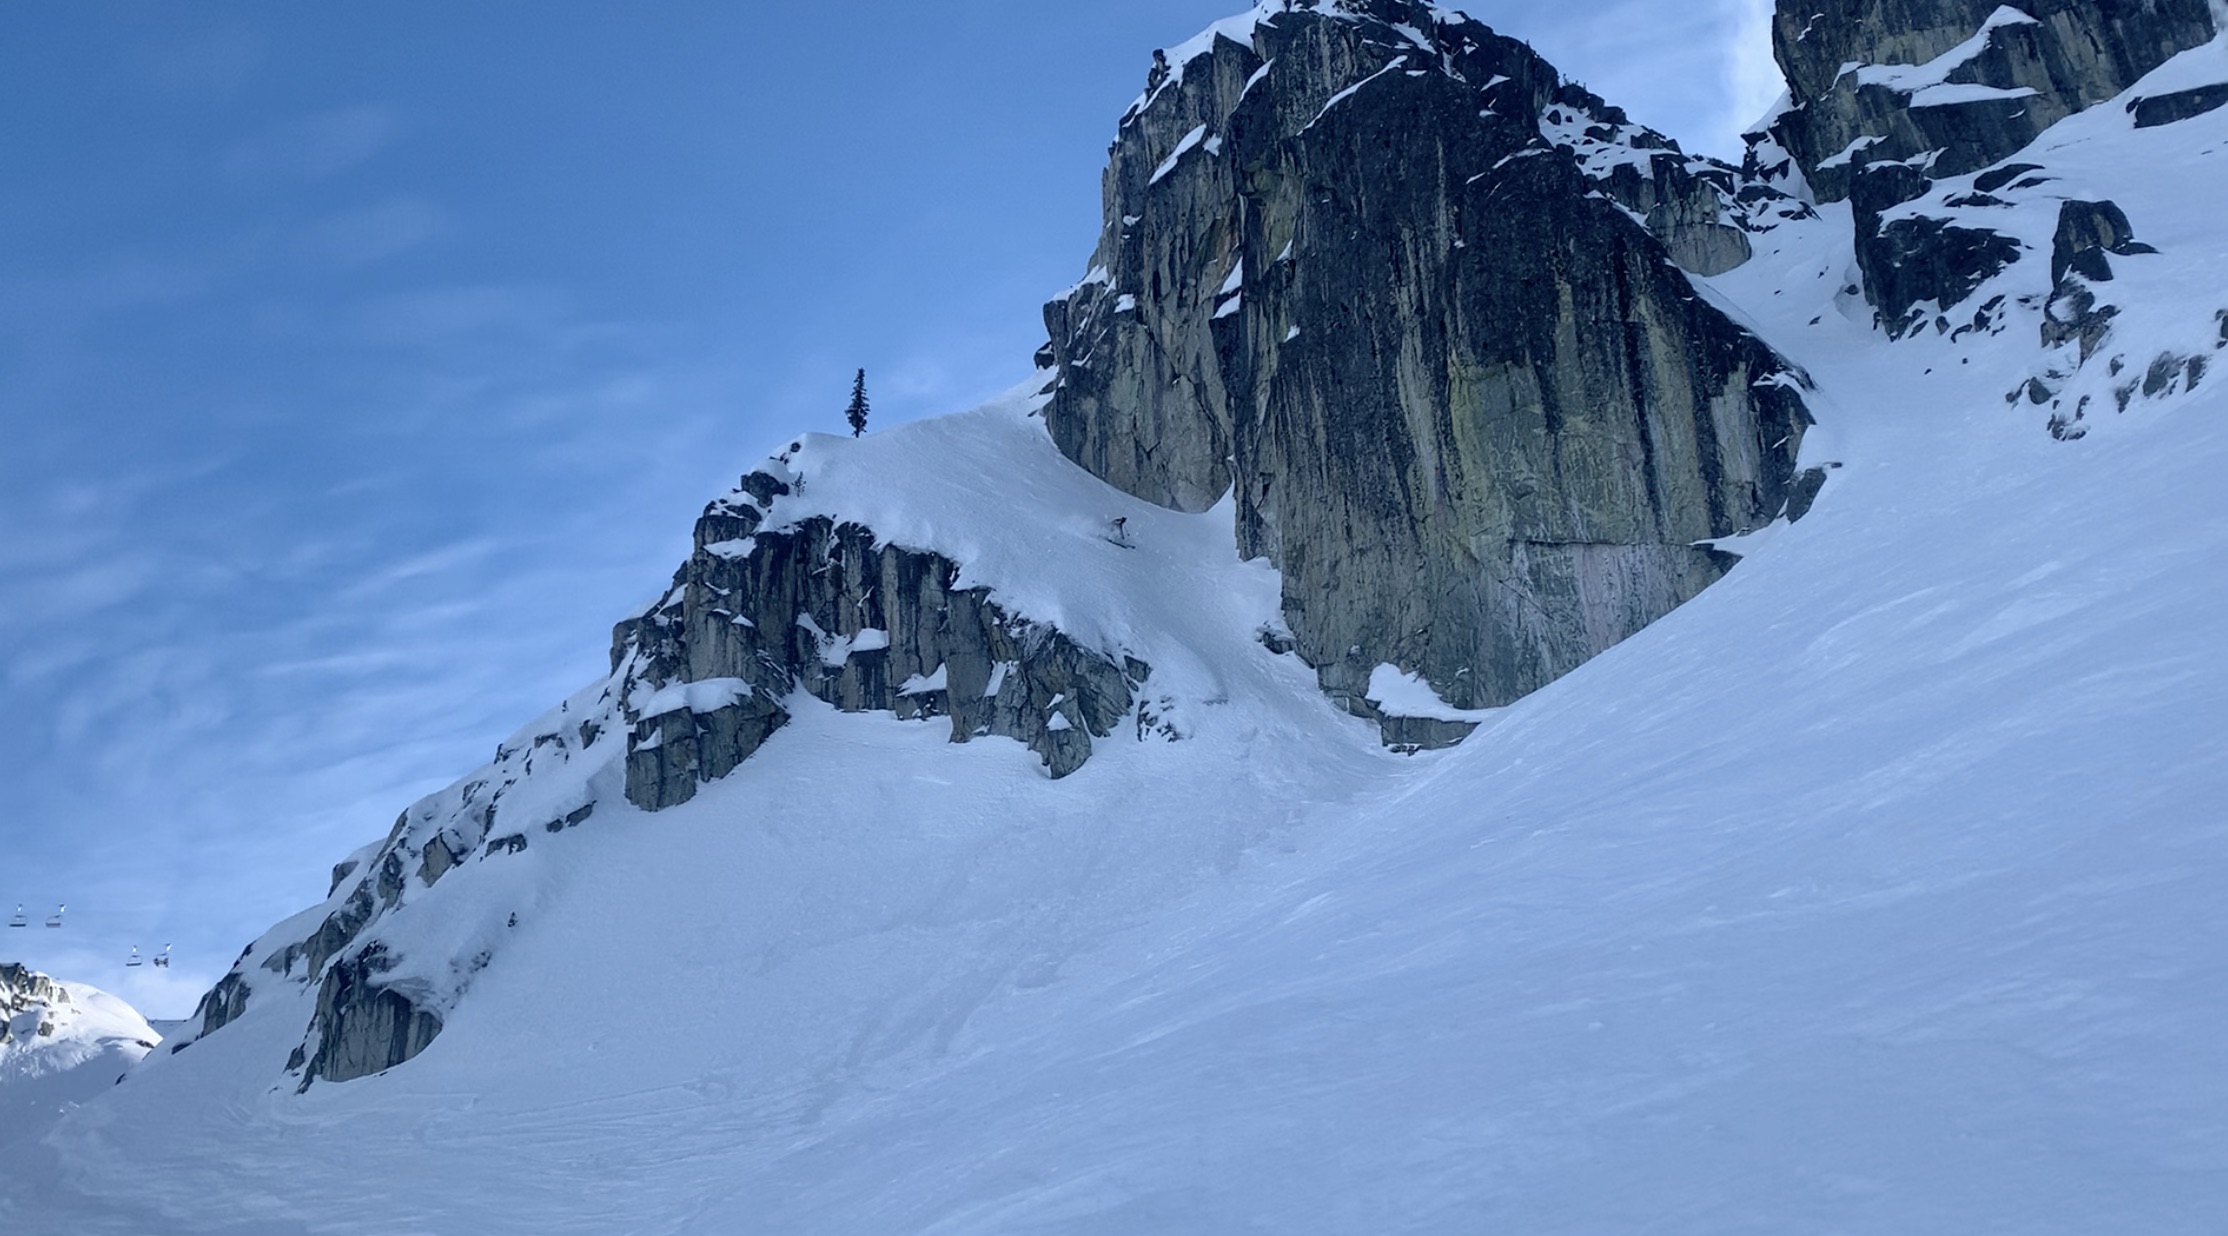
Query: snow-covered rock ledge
{"type": "Point", "coordinates": [828, 607]}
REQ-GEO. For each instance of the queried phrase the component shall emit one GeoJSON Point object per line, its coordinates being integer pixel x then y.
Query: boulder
{"type": "Point", "coordinates": [2087, 231]}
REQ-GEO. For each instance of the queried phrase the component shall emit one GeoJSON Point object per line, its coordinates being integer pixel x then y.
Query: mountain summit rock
{"type": "Point", "coordinates": [1365, 268]}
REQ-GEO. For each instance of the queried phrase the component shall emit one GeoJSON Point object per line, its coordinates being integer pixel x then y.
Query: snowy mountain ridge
{"type": "Point", "coordinates": [1868, 889]}
{"type": "Point", "coordinates": [380, 980]}
{"type": "Point", "coordinates": [61, 1045]}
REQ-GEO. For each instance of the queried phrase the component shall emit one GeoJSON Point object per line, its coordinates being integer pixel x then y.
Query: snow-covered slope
{"type": "Point", "coordinates": [61, 1045]}
{"type": "Point", "coordinates": [1876, 891]}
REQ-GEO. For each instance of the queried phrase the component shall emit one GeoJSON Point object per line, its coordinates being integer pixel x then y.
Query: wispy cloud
{"type": "Point", "coordinates": [372, 233]}
{"type": "Point", "coordinates": [444, 561]}
{"type": "Point", "coordinates": [317, 146]}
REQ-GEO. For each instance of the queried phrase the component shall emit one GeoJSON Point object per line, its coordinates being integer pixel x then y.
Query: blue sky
{"type": "Point", "coordinates": [360, 365]}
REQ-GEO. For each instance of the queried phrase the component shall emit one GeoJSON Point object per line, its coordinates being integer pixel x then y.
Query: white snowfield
{"type": "Point", "coordinates": [60, 1054]}
{"type": "Point", "coordinates": [1877, 892]}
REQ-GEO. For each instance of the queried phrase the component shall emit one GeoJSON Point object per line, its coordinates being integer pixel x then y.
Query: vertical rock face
{"type": "Point", "coordinates": [1376, 269]}
{"type": "Point", "coordinates": [1884, 81]}
{"type": "Point", "coordinates": [223, 1004]}
{"type": "Point", "coordinates": [363, 1028]}
{"type": "Point", "coordinates": [1702, 210]}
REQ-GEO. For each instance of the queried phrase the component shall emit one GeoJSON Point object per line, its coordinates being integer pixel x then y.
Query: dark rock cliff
{"type": "Point", "coordinates": [1887, 97]}
{"type": "Point", "coordinates": [826, 608]}
{"type": "Point", "coordinates": [1963, 83]}
{"type": "Point", "coordinates": [362, 1026]}
{"type": "Point", "coordinates": [1364, 269]}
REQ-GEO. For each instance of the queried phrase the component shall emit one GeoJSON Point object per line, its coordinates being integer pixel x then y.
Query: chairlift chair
{"type": "Point", "coordinates": [133, 960]}
{"type": "Point", "coordinates": [20, 920]}
{"type": "Point", "coordinates": [162, 959]}
{"type": "Point", "coordinates": [55, 919]}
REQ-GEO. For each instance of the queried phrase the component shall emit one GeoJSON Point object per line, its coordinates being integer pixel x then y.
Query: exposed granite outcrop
{"type": "Point", "coordinates": [1703, 210]}
{"type": "Point", "coordinates": [1408, 293]}
{"type": "Point", "coordinates": [1411, 734]}
{"type": "Point", "coordinates": [1686, 209]}
{"type": "Point", "coordinates": [1960, 84]}
{"type": "Point", "coordinates": [1919, 266]}
{"type": "Point", "coordinates": [825, 608]}
{"type": "Point", "coordinates": [2076, 317]}
{"type": "Point", "coordinates": [361, 1027]}
{"type": "Point", "coordinates": [1889, 96]}
{"type": "Point", "coordinates": [1418, 304]}
{"type": "Point", "coordinates": [21, 987]}
{"type": "Point", "coordinates": [337, 932]}
{"type": "Point", "coordinates": [368, 1017]}
{"type": "Point", "coordinates": [222, 1004]}
{"type": "Point", "coordinates": [1470, 408]}
{"type": "Point", "coordinates": [21, 990]}
{"type": "Point", "coordinates": [2151, 111]}
{"type": "Point", "coordinates": [2087, 231]}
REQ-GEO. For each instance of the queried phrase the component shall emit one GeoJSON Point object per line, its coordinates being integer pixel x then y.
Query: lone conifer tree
{"type": "Point", "coordinates": [856, 413]}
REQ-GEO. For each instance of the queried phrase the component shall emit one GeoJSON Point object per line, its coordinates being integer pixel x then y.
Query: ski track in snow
{"type": "Point", "coordinates": [1874, 892]}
